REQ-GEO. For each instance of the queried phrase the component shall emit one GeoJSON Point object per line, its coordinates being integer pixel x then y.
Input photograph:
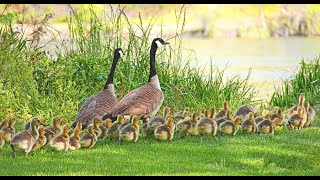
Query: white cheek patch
{"type": "Point", "coordinates": [159, 44]}
{"type": "Point", "coordinates": [121, 53]}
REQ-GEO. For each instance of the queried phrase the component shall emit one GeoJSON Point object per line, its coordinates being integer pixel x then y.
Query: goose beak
{"type": "Point", "coordinates": [165, 43]}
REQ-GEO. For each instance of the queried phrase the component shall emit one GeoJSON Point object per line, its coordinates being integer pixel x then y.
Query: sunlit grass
{"type": "Point", "coordinates": [287, 152]}
{"type": "Point", "coordinates": [305, 81]}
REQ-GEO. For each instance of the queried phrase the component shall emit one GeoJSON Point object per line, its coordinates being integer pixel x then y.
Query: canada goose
{"type": "Point", "coordinates": [230, 126]}
{"type": "Point", "coordinates": [28, 124]}
{"type": "Point", "coordinates": [89, 139]}
{"type": "Point", "coordinates": [41, 141]}
{"type": "Point", "coordinates": [9, 130]}
{"type": "Point", "coordinates": [61, 142]}
{"type": "Point", "coordinates": [165, 131]}
{"type": "Point", "coordinates": [131, 131]}
{"type": "Point", "coordinates": [55, 130]}
{"type": "Point", "coordinates": [223, 111]}
{"type": "Point", "coordinates": [207, 125]}
{"type": "Point", "coordinates": [157, 121]}
{"type": "Point", "coordinates": [297, 120]}
{"type": "Point", "coordinates": [27, 138]}
{"type": "Point", "coordinates": [249, 125]}
{"type": "Point", "coordinates": [310, 114]}
{"type": "Point", "coordinates": [244, 111]}
{"type": "Point", "coordinates": [99, 104]}
{"type": "Point", "coordinates": [145, 100]}
{"type": "Point", "coordinates": [294, 108]}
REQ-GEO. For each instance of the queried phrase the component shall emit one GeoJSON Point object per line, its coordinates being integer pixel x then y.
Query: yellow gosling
{"type": "Point", "coordinates": [249, 125]}
{"type": "Point", "coordinates": [54, 130]}
{"type": "Point", "coordinates": [28, 124]}
{"type": "Point", "coordinates": [297, 120]}
{"type": "Point", "coordinates": [228, 116]}
{"type": "Point", "coordinates": [3, 124]}
{"type": "Point", "coordinates": [105, 125]}
{"type": "Point", "coordinates": [26, 139]}
{"type": "Point", "coordinates": [41, 141]}
{"type": "Point", "coordinates": [165, 131]}
{"type": "Point", "coordinates": [61, 142]}
{"type": "Point", "coordinates": [230, 127]}
{"type": "Point", "coordinates": [310, 114]}
{"type": "Point", "coordinates": [244, 111]}
{"type": "Point", "coordinates": [193, 131]}
{"type": "Point", "coordinates": [9, 130]}
{"type": "Point", "coordinates": [157, 121]}
{"type": "Point", "coordinates": [223, 111]}
{"type": "Point", "coordinates": [2, 140]}
{"type": "Point", "coordinates": [207, 125]}
{"type": "Point", "coordinates": [293, 109]}
{"type": "Point", "coordinates": [89, 139]}
{"type": "Point", "coordinates": [96, 125]}
{"type": "Point", "coordinates": [112, 132]}
{"type": "Point", "coordinates": [74, 141]}
{"type": "Point", "coordinates": [131, 131]}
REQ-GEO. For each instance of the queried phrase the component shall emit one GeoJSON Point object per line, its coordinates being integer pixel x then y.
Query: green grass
{"type": "Point", "coordinates": [287, 152]}
{"type": "Point", "coordinates": [305, 81]}
{"type": "Point", "coordinates": [35, 84]}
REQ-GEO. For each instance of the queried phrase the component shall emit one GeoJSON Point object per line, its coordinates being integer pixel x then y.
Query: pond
{"type": "Point", "coordinates": [272, 60]}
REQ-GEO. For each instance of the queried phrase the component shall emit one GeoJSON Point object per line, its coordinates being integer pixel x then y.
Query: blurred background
{"type": "Point", "coordinates": [270, 39]}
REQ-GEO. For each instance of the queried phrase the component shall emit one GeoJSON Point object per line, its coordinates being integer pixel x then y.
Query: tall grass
{"type": "Point", "coordinates": [306, 81]}
{"type": "Point", "coordinates": [47, 86]}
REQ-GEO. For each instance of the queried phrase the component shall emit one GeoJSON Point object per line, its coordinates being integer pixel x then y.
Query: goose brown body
{"type": "Point", "coordinates": [99, 104]}
{"type": "Point", "coordinates": [145, 100]}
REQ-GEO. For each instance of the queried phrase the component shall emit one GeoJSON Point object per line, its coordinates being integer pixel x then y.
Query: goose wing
{"type": "Point", "coordinates": [143, 100]}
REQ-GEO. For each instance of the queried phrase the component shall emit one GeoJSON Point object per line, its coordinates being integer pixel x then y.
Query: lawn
{"type": "Point", "coordinates": [287, 152]}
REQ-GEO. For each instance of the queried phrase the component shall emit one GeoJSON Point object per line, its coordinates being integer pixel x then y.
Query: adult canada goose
{"type": "Point", "coordinates": [145, 100]}
{"type": "Point", "coordinates": [101, 103]}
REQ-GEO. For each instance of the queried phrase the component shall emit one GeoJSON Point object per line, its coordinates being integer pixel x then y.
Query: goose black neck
{"type": "Point", "coordinates": [113, 68]}
{"type": "Point", "coordinates": [153, 71]}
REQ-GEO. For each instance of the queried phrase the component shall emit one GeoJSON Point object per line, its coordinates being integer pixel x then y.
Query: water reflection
{"type": "Point", "coordinates": [272, 60]}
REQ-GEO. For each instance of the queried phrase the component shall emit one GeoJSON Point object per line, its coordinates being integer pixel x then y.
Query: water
{"type": "Point", "coordinates": [272, 60]}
